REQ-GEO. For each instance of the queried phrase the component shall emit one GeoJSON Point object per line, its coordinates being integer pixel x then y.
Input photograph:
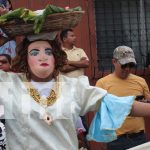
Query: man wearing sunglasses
{"type": "Point", "coordinates": [123, 83]}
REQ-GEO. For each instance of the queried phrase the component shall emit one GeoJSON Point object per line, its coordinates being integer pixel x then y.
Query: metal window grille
{"type": "Point", "coordinates": [122, 22]}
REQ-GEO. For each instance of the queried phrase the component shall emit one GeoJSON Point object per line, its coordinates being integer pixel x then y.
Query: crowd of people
{"type": "Point", "coordinates": [45, 93]}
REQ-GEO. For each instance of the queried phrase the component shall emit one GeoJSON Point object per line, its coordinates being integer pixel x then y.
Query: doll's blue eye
{"type": "Point", "coordinates": [48, 51]}
{"type": "Point", "coordinates": [34, 52]}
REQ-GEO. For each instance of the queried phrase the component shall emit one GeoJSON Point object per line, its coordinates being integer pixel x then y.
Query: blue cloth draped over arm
{"type": "Point", "coordinates": [110, 116]}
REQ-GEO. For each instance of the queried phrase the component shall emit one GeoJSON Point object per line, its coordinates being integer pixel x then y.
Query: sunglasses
{"type": "Point", "coordinates": [129, 65]}
{"type": "Point", "coordinates": [3, 61]}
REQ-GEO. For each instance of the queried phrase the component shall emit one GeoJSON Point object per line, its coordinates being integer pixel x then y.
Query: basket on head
{"type": "Point", "coordinates": [53, 22]}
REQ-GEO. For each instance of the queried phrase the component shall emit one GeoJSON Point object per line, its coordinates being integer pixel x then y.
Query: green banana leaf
{"type": "Point", "coordinates": [38, 20]}
{"type": "Point", "coordinates": [12, 15]}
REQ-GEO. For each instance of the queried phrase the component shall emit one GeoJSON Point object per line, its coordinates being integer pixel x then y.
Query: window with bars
{"type": "Point", "coordinates": [122, 22]}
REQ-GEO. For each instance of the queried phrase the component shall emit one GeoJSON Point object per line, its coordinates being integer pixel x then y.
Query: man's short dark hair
{"type": "Point", "coordinates": [8, 57]}
{"type": "Point", "coordinates": [64, 33]}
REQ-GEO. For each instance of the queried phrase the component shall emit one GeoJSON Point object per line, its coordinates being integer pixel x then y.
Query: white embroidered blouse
{"type": "Point", "coordinates": [25, 129]}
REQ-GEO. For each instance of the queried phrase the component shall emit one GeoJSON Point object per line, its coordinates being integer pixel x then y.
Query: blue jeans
{"type": "Point", "coordinates": [124, 142]}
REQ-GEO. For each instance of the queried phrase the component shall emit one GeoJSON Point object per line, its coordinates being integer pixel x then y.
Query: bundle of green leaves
{"type": "Point", "coordinates": [31, 16]}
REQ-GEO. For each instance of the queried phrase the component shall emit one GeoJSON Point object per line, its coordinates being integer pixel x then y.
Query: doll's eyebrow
{"type": "Point", "coordinates": [34, 50]}
{"type": "Point", "coordinates": [48, 49]}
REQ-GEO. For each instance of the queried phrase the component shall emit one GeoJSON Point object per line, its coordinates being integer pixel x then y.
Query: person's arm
{"type": "Point", "coordinates": [68, 68]}
{"type": "Point", "coordinates": [75, 65]}
{"type": "Point", "coordinates": [140, 109]}
{"type": "Point", "coordinates": [146, 93]}
{"type": "Point", "coordinates": [82, 63]}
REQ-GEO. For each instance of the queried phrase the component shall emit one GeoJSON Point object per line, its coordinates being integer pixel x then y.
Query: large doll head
{"type": "Point", "coordinates": [40, 59]}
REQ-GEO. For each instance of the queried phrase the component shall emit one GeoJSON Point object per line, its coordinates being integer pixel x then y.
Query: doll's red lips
{"type": "Point", "coordinates": [44, 64]}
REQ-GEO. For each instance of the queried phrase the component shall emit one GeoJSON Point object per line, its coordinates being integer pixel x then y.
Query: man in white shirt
{"type": "Point", "coordinates": [77, 61]}
{"type": "Point", "coordinates": [77, 58]}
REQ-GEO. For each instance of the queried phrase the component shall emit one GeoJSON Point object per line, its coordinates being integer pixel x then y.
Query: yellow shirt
{"type": "Point", "coordinates": [75, 54]}
{"type": "Point", "coordinates": [133, 85]}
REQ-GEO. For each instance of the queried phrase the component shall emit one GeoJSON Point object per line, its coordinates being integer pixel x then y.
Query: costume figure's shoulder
{"type": "Point", "coordinates": [22, 76]}
{"type": "Point", "coordinates": [82, 79]}
{"type": "Point", "coordinates": [7, 76]}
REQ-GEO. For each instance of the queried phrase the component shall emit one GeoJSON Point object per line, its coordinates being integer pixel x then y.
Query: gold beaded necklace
{"type": "Point", "coordinates": [49, 100]}
{"type": "Point", "coordinates": [45, 102]}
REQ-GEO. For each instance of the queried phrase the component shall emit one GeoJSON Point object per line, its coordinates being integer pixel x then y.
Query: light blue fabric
{"type": "Point", "coordinates": [110, 116]}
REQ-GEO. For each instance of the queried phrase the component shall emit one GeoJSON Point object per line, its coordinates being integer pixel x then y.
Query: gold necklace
{"type": "Point", "coordinates": [45, 102]}
{"type": "Point", "coordinates": [48, 101]}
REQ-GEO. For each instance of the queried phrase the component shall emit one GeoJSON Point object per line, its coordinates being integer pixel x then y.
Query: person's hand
{"type": "Point", "coordinates": [145, 101]}
{"type": "Point", "coordinates": [3, 10]}
{"type": "Point", "coordinates": [66, 62]}
{"type": "Point", "coordinates": [83, 58]}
